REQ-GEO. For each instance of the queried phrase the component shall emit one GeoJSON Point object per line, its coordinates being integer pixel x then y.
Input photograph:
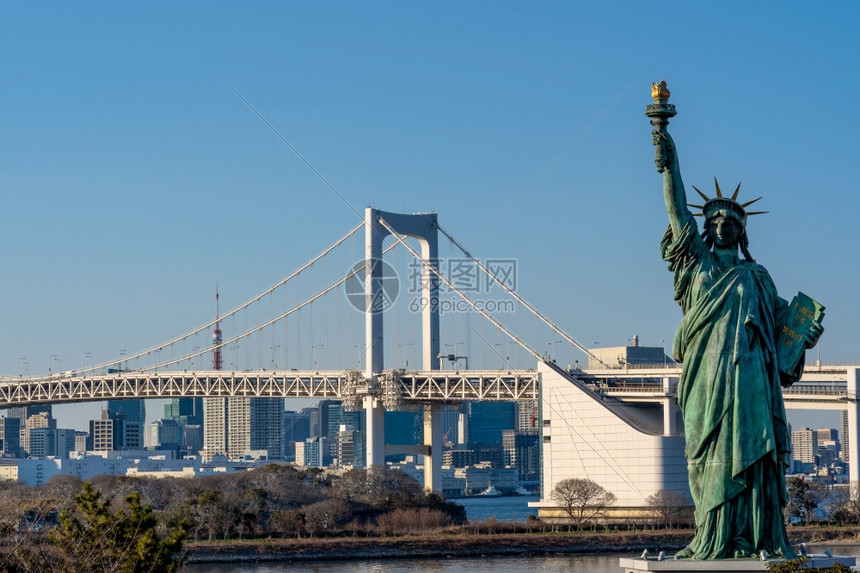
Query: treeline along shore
{"type": "Point", "coordinates": [280, 512]}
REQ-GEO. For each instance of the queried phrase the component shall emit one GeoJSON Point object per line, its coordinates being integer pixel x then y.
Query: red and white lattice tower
{"type": "Point", "coordinates": [217, 360]}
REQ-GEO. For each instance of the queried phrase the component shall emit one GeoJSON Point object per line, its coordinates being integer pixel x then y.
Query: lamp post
{"type": "Point", "coordinates": [453, 358]}
{"type": "Point", "coordinates": [501, 354]}
{"type": "Point", "coordinates": [274, 349]}
{"type": "Point", "coordinates": [234, 363]}
{"type": "Point", "coordinates": [553, 344]}
{"type": "Point", "coordinates": [84, 357]}
{"type": "Point", "coordinates": [314, 351]}
{"type": "Point", "coordinates": [404, 346]}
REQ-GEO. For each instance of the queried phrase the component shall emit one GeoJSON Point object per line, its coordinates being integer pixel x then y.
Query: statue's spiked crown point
{"type": "Point", "coordinates": [721, 206]}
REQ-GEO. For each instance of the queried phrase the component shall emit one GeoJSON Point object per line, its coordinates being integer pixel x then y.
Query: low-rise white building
{"type": "Point", "coordinates": [630, 450]}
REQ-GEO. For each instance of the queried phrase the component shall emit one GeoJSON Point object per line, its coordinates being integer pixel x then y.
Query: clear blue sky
{"type": "Point", "coordinates": [134, 179]}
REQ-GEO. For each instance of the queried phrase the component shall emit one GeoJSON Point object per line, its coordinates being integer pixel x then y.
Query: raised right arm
{"type": "Point", "coordinates": [673, 187]}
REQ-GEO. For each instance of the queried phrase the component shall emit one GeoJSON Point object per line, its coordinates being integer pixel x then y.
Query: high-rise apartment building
{"type": "Point", "coordinates": [350, 447]}
{"type": "Point", "coordinates": [804, 443]}
{"type": "Point", "coordinates": [313, 453]}
{"type": "Point", "coordinates": [236, 427]}
{"type": "Point", "coordinates": [106, 433]}
{"type": "Point", "coordinates": [527, 416]}
{"type": "Point", "coordinates": [215, 413]}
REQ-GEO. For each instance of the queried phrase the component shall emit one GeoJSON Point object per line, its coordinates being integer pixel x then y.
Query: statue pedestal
{"type": "Point", "coordinates": [636, 565]}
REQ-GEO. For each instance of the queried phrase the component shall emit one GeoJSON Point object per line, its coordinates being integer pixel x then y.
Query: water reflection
{"type": "Point", "coordinates": [532, 564]}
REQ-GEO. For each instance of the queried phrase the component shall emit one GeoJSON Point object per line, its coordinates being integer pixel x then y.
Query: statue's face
{"type": "Point", "coordinates": [725, 232]}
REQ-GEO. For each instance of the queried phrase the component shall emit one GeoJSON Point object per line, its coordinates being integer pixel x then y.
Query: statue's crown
{"type": "Point", "coordinates": [721, 206]}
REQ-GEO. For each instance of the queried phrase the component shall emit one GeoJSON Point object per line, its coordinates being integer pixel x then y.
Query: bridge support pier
{"type": "Point", "coordinates": [671, 411]}
{"type": "Point", "coordinates": [375, 414]}
{"type": "Point", "coordinates": [853, 406]}
{"type": "Point", "coordinates": [433, 443]}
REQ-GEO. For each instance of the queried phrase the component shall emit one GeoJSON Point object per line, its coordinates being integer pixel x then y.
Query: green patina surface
{"type": "Point", "coordinates": [738, 445]}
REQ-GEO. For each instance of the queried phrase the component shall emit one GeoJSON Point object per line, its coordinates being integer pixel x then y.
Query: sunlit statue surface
{"type": "Point", "coordinates": [729, 341]}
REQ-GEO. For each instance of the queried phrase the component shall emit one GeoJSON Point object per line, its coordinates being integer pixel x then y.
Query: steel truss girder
{"type": "Point", "coordinates": [413, 387]}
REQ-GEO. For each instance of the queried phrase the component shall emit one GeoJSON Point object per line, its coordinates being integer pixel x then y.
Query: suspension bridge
{"type": "Point", "coordinates": [344, 327]}
{"type": "Point", "coordinates": [349, 331]}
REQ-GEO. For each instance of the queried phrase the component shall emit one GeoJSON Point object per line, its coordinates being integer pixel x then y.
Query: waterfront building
{"type": "Point", "coordinates": [522, 451]}
{"type": "Point", "coordinates": [490, 455]}
{"type": "Point", "coordinates": [844, 441]}
{"type": "Point", "coordinates": [475, 480]}
{"type": "Point", "coordinates": [631, 450]}
{"type": "Point", "coordinates": [158, 463]}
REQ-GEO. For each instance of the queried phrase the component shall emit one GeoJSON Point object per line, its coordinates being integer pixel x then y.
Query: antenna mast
{"type": "Point", "coordinates": [217, 360]}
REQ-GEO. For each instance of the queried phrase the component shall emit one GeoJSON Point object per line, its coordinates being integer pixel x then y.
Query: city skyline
{"type": "Point", "coordinates": [129, 163]}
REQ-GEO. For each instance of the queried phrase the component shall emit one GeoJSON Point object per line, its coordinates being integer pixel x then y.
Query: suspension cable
{"type": "Point", "coordinates": [448, 283]}
{"type": "Point", "coordinates": [519, 299]}
{"type": "Point", "coordinates": [232, 312]}
{"type": "Point", "coordinates": [269, 322]}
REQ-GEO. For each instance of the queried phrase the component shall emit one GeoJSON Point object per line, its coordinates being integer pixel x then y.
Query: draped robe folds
{"type": "Point", "coordinates": [737, 442]}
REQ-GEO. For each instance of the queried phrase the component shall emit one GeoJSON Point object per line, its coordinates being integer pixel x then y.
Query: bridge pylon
{"type": "Point", "coordinates": [423, 227]}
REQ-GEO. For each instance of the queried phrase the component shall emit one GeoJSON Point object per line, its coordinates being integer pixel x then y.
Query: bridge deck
{"type": "Point", "coordinates": [395, 387]}
{"type": "Point", "coordinates": [431, 386]}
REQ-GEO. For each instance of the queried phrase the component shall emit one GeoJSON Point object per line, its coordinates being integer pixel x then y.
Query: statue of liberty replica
{"type": "Point", "coordinates": [739, 343]}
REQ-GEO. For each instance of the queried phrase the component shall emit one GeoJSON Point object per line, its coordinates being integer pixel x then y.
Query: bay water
{"type": "Point", "coordinates": [477, 509]}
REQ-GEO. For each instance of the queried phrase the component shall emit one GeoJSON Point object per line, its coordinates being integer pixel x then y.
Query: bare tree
{"type": "Point", "coordinates": [670, 508]}
{"type": "Point", "coordinates": [582, 499]}
{"type": "Point", "coordinates": [324, 516]}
